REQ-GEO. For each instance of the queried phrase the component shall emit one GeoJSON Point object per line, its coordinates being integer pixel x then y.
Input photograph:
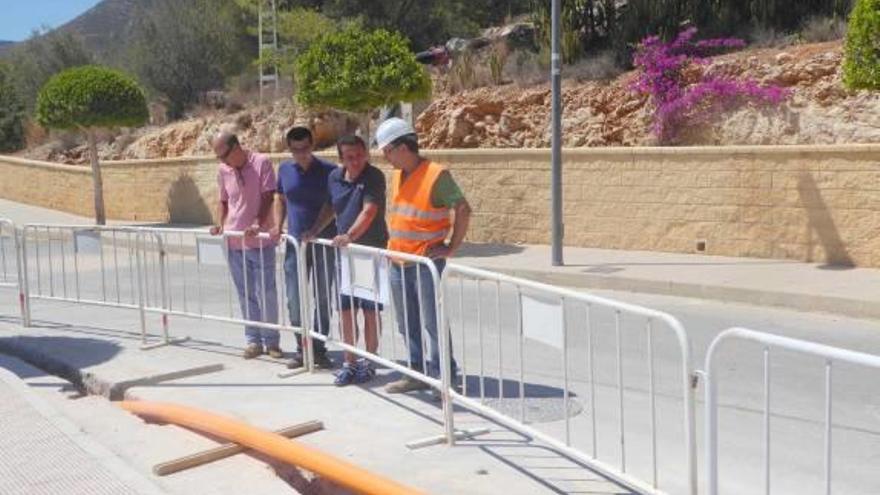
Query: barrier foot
{"type": "Point", "coordinates": [147, 347]}
{"type": "Point", "coordinates": [441, 439]}
{"type": "Point", "coordinates": [291, 373]}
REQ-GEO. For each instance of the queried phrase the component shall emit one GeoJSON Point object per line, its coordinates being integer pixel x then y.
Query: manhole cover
{"type": "Point", "coordinates": [537, 409]}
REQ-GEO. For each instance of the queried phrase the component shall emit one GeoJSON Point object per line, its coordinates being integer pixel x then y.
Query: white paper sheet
{"type": "Point", "coordinates": [210, 251]}
{"type": "Point", "coordinates": [362, 275]}
{"type": "Point", "coordinates": [542, 320]}
{"type": "Point", "coordinates": [87, 241]}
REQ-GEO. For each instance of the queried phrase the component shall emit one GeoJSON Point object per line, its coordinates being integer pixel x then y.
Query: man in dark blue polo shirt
{"type": "Point", "coordinates": [302, 192]}
{"type": "Point", "coordinates": [357, 200]}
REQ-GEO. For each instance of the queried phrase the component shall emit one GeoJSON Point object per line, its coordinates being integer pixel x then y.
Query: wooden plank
{"type": "Point", "coordinates": [228, 449]}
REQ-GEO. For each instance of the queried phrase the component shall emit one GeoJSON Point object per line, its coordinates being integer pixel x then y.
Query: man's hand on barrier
{"type": "Point", "coordinates": [342, 240]}
{"type": "Point", "coordinates": [251, 232]}
{"type": "Point", "coordinates": [216, 230]}
{"type": "Point", "coordinates": [439, 251]}
{"type": "Point", "coordinates": [308, 235]}
{"type": "Point", "coordinates": [275, 234]}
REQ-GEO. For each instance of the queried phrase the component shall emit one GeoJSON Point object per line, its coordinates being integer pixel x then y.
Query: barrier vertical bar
{"type": "Point", "coordinates": [38, 260]}
{"type": "Point", "coordinates": [520, 330]}
{"type": "Point", "coordinates": [103, 270]}
{"type": "Point", "coordinates": [63, 263]}
{"type": "Point", "coordinates": [444, 341]}
{"type": "Point", "coordinates": [828, 426]}
{"type": "Point", "coordinates": [480, 335]}
{"type": "Point", "coordinates": [116, 268]}
{"type": "Point", "coordinates": [423, 331]}
{"type": "Point", "coordinates": [653, 402]}
{"type": "Point", "coordinates": [499, 329]}
{"type": "Point", "coordinates": [463, 335]}
{"type": "Point", "coordinates": [766, 420]}
{"type": "Point", "coordinates": [592, 379]}
{"type": "Point", "coordinates": [51, 263]}
{"type": "Point", "coordinates": [76, 266]}
{"type": "Point", "coordinates": [565, 395]}
{"type": "Point", "coordinates": [24, 282]}
{"type": "Point", "coordinates": [621, 422]}
{"type": "Point", "coordinates": [140, 254]}
{"type": "Point", "coordinates": [305, 310]}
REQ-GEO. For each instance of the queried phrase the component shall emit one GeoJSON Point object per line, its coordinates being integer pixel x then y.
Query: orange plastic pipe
{"type": "Point", "coordinates": [271, 444]}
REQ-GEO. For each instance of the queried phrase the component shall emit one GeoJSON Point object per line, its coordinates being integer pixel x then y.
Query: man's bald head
{"type": "Point", "coordinates": [227, 138]}
{"type": "Point", "coordinates": [226, 147]}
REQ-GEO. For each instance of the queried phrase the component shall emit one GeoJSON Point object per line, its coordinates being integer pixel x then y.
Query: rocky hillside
{"type": "Point", "coordinates": [820, 110]}
{"type": "Point", "coordinates": [261, 128]}
{"type": "Point", "coordinates": [597, 113]}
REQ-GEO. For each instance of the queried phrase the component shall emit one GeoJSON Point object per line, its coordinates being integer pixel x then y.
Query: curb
{"type": "Point", "coordinates": [87, 382]}
{"type": "Point", "coordinates": [854, 308]}
{"type": "Point", "coordinates": [83, 381]}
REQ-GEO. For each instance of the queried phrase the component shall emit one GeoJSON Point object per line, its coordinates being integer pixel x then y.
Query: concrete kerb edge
{"type": "Point", "coordinates": [853, 308]}
{"type": "Point", "coordinates": [90, 383]}
{"type": "Point", "coordinates": [84, 381]}
{"type": "Point", "coordinates": [101, 454]}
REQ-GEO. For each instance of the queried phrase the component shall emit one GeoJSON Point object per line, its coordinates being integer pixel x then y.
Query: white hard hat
{"type": "Point", "coordinates": [392, 129]}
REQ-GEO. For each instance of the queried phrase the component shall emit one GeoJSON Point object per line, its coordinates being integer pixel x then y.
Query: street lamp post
{"type": "Point", "coordinates": [556, 140]}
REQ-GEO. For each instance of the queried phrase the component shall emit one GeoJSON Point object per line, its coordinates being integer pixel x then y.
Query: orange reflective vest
{"type": "Point", "coordinates": [416, 225]}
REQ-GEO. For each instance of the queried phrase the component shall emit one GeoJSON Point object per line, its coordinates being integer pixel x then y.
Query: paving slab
{"type": "Point", "coordinates": [42, 452]}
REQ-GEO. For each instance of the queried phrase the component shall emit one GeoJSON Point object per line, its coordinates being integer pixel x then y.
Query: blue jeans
{"type": "Point", "coordinates": [323, 279]}
{"type": "Point", "coordinates": [412, 311]}
{"type": "Point", "coordinates": [259, 300]}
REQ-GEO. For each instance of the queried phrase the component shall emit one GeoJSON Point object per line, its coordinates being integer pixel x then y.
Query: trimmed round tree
{"type": "Point", "coordinates": [88, 98]}
{"type": "Point", "coordinates": [358, 71]}
{"type": "Point", "coordinates": [861, 66]}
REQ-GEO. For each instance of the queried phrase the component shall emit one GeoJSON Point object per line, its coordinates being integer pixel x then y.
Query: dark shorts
{"type": "Point", "coordinates": [364, 304]}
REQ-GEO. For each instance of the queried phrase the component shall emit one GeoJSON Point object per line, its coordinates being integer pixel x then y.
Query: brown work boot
{"type": "Point", "coordinates": [252, 351]}
{"type": "Point", "coordinates": [274, 352]}
{"type": "Point", "coordinates": [405, 384]}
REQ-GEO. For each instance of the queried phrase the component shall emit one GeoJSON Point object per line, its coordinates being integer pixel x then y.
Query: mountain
{"type": "Point", "coordinates": [105, 28]}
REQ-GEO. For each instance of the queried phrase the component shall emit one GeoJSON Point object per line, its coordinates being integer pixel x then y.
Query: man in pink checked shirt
{"type": "Point", "coordinates": [246, 183]}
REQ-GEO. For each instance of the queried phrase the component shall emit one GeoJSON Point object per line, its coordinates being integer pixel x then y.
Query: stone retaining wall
{"type": "Point", "coordinates": [811, 203]}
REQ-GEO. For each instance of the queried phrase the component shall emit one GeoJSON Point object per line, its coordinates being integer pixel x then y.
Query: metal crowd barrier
{"type": "Point", "coordinates": [194, 280]}
{"type": "Point", "coordinates": [768, 341]}
{"type": "Point", "coordinates": [10, 256]}
{"type": "Point", "coordinates": [365, 272]}
{"type": "Point", "coordinates": [94, 265]}
{"type": "Point", "coordinates": [542, 340]}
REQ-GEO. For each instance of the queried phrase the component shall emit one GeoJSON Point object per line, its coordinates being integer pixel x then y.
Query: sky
{"type": "Point", "coordinates": [20, 17]}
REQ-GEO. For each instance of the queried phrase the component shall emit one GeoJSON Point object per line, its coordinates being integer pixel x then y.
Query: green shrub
{"type": "Point", "coordinates": [358, 71]}
{"type": "Point", "coordinates": [861, 67]}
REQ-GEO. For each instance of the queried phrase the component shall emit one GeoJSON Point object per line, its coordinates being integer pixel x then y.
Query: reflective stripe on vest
{"type": "Point", "coordinates": [419, 236]}
{"type": "Point", "coordinates": [411, 211]}
{"type": "Point", "coordinates": [415, 224]}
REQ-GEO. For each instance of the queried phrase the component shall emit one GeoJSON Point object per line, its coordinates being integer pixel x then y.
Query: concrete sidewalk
{"type": "Point", "coordinates": [853, 292]}
{"type": "Point", "coordinates": [41, 452]}
{"type": "Point", "coordinates": [99, 353]}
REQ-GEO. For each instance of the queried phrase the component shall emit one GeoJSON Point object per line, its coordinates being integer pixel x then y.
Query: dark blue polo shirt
{"type": "Point", "coordinates": [348, 200]}
{"type": "Point", "coordinates": [305, 193]}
